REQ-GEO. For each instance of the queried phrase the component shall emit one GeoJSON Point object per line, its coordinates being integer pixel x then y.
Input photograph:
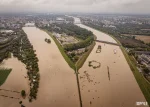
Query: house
{"type": "Point", "coordinates": [30, 25]}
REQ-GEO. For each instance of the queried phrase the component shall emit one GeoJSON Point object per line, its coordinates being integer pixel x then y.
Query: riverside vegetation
{"type": "Point", "coordinates": [21, 48]}
{"type": "Point", "coordinates": [74, 60]}
{"type": "Point", "coordinates": [137, 45]}
{"type": "Point", "coordinates": [70, 51]}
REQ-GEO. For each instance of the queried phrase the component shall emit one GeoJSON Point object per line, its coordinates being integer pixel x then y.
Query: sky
{"type": "Point", "coordinates": [81, 6]}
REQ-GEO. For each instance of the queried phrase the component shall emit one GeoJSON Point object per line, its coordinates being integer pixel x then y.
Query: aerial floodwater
{"type": "Point", "coordinates": [14, 84]}
{"type": "Point", "coordinates": [105, 79]}
{"type": "Point", "coordinates": [58, 86]}
{"type": "Point", "coordinates": [111, 83]}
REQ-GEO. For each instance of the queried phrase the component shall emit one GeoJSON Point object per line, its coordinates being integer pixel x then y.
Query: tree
{"type": "Point", "coordinates": [20, 102]}
{"type": "Point", "coordinates": [133, 37]}
{"type": "Point", "coordinates": [23, 93]}
{"type": "Point", "coordinates": [76, 58]}
{"type": "Point", "coordinates": [146, 70]}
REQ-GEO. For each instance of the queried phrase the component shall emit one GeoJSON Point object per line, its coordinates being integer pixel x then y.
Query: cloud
{"type": "Point", "coordinates": [80, 2]}
{"type": "Point", "coordinates": [113, 6]}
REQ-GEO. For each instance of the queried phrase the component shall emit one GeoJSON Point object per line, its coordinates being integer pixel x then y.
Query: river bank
{"type": "Point", "coordinates": [111, 85]}
{"type": "Point", "coordinates": [58, 85]}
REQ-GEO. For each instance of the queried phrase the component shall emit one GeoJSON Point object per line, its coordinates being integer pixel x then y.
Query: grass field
{"type": "Point", "coordinates": [4, 74]}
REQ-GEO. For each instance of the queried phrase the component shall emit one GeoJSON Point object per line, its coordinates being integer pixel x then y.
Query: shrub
{"type": "Point", "coordinates": [23, 93]}
{"type": "Point", "coordinates": [20, 102]}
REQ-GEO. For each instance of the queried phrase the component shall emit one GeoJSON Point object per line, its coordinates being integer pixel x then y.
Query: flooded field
{"type": "Point", "coordinates": [106, 82]}
{"type": "Point", "coordinates": [143, 38]}
{"type": "Point", "coordinates": [112, 84]}
{"type": "Point", "coordinates": [13, 85]}
{"type": "Point", "coordinates": [58, 86]}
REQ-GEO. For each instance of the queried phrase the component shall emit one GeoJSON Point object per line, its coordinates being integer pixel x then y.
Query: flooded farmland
{"type": "Point", "coordinates": [143, 38]}
{"type": "Point", "coordinates": [58, 86]}
{"type": "Point", "coordinates": [105, 78]}
{"type": "Point", "coordinates": [15, 82]}
{"type": "Point", "coordinates": [113, 83]}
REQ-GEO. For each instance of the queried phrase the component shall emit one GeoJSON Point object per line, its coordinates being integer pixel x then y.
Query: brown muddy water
{"type": "Point", "coordinates": [145, 39]}
{"type": "Point", "coordinates": [16, 81]}
{"type": "Point", "coordinates": [111, 85]}
{"type": "Point", "coordinates": [58, 86]}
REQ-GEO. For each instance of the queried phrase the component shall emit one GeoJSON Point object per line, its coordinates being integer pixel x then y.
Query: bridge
{"type": "Point", "coordinates": [77, 22]}
{"type": "Point", "coordinates": [111, 43]}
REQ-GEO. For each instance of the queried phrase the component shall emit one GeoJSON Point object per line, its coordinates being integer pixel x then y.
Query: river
{"type": "Point", "coordinates": [58, 86]}
{"type": "Point", "coordinates": [111, 85]}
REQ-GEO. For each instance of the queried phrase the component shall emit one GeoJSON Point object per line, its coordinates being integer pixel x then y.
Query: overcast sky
{"type": "Point", "coordinates": [88, 6]}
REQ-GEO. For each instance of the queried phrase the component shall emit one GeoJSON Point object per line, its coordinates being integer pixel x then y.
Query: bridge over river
{"type": "Point", "coordinates": [113, 83]}
{"type": "Point", "coordinates": [111, 43]}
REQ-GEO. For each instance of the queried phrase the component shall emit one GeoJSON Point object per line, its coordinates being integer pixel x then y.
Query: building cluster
{"type": "Point", "coordinates": [56, 20]}
{"type": "Point", "coordinates": [19, 21]}
{"type": "Point", "coordinates": [144, 60]}
{"type": "Point", "coordinates": [65, 39]}
{"type": "Point", "coordinates": [112, 21]}
{"type": "Point", "coordinates": [12, 22]}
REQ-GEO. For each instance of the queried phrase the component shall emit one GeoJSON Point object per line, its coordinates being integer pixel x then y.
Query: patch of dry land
{"type": "Point", "coordinates": [58, 86]}
{"type": "Point", "coordinates": [112, 84]}
{"type": "Point", "coordinates": [145, 39]}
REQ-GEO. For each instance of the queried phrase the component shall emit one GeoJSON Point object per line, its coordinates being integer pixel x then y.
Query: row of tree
{"type": "Point", "coordinates": [82, 44]}
{"type": "Point", "coordinates": [23, 50]}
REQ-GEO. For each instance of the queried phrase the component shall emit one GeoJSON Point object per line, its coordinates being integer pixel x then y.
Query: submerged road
{"type": "Point", "coordinates": [106, 42]}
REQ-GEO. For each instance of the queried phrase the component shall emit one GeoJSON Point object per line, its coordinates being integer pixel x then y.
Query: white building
{"type": "Point", "coordinates": [30, 25]}
{"type": "Point", "coordinates": [60, 20]}
{"type": "Point", "coordinates": [6, 31]}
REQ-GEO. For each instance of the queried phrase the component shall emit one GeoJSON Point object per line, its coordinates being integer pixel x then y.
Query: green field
{"type": "Point", "coordinates": [4, 74]}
